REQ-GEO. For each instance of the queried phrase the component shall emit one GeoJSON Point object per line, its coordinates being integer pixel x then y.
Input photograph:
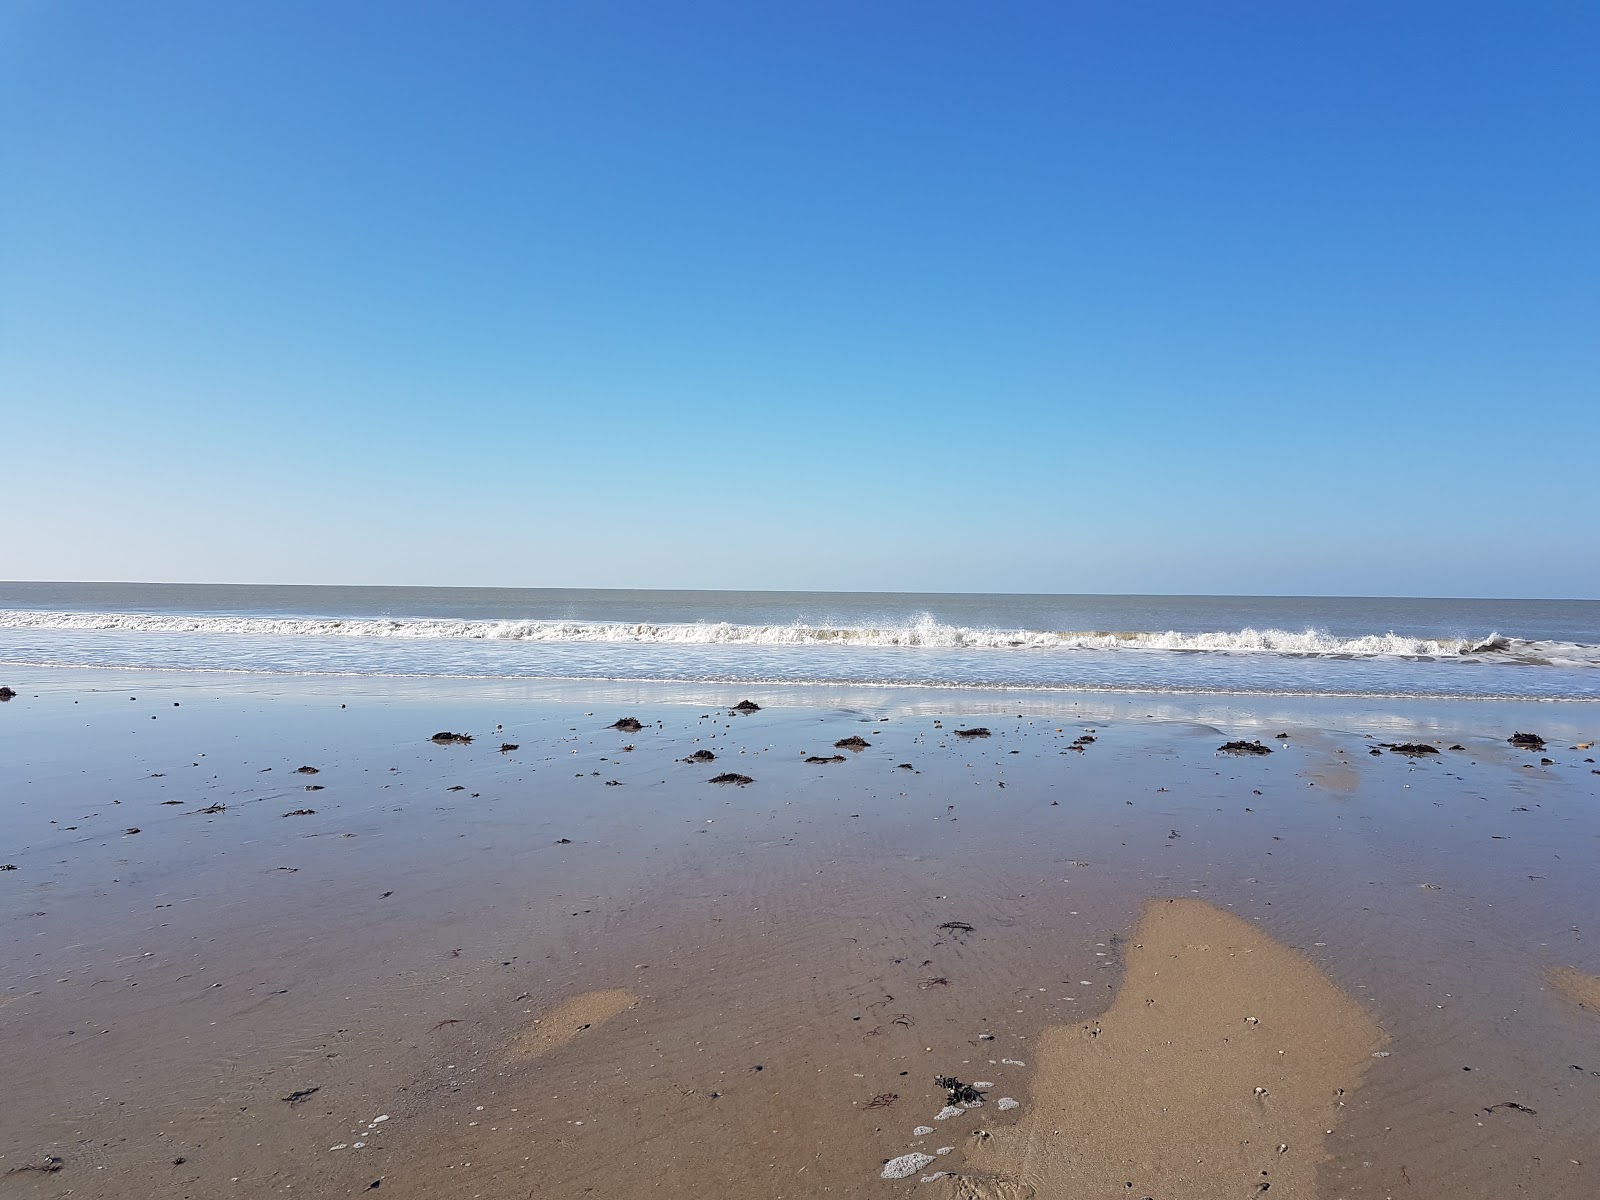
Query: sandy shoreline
{"type": "Point", "coordinates": [589, 971]}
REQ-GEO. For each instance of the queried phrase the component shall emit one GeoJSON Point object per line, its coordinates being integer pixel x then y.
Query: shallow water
{"type": "Point", "coordinates": [164, 991]}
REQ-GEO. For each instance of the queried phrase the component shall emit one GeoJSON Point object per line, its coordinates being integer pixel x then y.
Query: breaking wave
{"type": "Point", "coordinates": [924, 632]}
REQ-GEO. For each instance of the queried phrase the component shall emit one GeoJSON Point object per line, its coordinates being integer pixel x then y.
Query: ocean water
{"type": "Point", "coordinates": [1500, 649]}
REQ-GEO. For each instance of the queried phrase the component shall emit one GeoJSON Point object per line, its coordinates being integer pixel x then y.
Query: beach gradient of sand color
{"type": "Point", "coordinates": [1163, 1091]}
{"type": "Point", "coordinates": [1583, 990]}
{"type": "Point", "coordinates": [568, 1020]}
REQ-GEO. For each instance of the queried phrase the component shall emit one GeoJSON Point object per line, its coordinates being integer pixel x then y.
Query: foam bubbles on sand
{"type": "Point", "coordinates": [948, 1111]}
{"type": "Point", "coordinates": [1006, 1102]}
{"type": "Point", "coordinates": [905, 1165]}
{"type": "Point", "coordinates": [922, 1131]}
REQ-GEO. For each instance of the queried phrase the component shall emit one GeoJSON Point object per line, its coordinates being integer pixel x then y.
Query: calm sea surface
{"type": "Point", "coordinates": [1542, 649]}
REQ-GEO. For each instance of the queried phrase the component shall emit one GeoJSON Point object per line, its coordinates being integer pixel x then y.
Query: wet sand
{"type": "Point", "coordinates": [577, 968]}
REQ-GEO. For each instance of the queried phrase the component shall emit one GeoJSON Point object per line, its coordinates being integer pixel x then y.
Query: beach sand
{"type": "Point", "coordinates": [578, 968]}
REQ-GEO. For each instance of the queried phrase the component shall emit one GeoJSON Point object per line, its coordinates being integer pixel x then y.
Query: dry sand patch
{"type": "Point", "coordinates": [568, 1020]}
{"type": "Point", "coordinates": [1583, 990]}
{"type": "Point", "coordinates": [1214, 1074]}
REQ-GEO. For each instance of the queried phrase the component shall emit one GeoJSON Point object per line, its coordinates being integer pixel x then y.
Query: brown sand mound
{"type": "Point", "coordinates": [1216, 1071]}
{"type": "Point", "coordinates": [569, 1020]}
{"type": "Point", "coordinates": [1583, 990]}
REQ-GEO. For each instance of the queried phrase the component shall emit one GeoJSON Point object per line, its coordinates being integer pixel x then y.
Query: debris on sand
{"type": "Point", "coordinates": [960, 1093]}
{"type": "Point", "coordinates": [1413, 749]}
{"type": "Point", "coordinates": [905, 767]}
{"type": "Point", "coordinates": [1280, 736]}
{"type": "Point", "coordinates": [732, 777]}
{"type": "Point", "coordinates": [52, 1164]}
{"type": "Point", "coordinates": [214, 808]}
{"type": "Point", "coordinates": [626, 725]}
{"type": "Point", "coordinates": [8, 867]}
{"type": "Point", "coordinates": [746, 706]}
{"type": "Point", "coordinates": [508, 747]}
{"type": "Point", "coordinates": [1531, 740]}
{"type": "Point", "coordinates": [905, 1166]}
{"type": "Point", "coordinates": [852, 743]}
{"type": "Point", "coordinates": [1086, 740]}
{"type": "Point", "coordinates": [314, 787]}
{"type": "Point", "coordinates": [305, 770]}
{"type": "Point", "coordinates": [1242, 747]}
{"type": "Point", "coordinates": [956, 927]}
{"type": "Point", "coordinates": [446, 738]}
{"type": "Point", "coordinates": [130, 831]}
{"type": "Point", "coordinates": [976, 731]}
{"type": "Point", "coordinates": [7, 694]}
{"type": "Point", "coordinates": [701, 756]}
{"type": "Point", "coordinates": [883, 1100]}
{"type": "Point", "coordinates": [832, 758]}
{"type": "Point", "coordinates": [302, 812]}
{"type": "Point", "coordinates": [302, 1094]}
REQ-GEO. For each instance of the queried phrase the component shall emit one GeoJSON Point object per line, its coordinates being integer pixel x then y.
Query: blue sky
{"type": "Point", "coordinates": [1186, 297]}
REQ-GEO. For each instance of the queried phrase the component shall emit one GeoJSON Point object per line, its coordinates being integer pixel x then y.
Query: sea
{"type": "Point", "coordinates": [1232, 645]}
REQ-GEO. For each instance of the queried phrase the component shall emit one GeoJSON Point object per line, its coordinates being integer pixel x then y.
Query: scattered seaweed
{"type": "Point", "coordinates": [977, 731]}
{"type": "Point", "coordinates": [701, 756]}
{"type": "Point", "coordinates": [445, 738]}
{"type": "Point", "coordinates": [302, 812]}
{"type": "Point", "coordinates": [508, 747]}
{"type": "Point", "coordinates": [626, 725]}
{"type": "Point", "coordinates": [852, 743]}
{"type": "Point", "coordinates": [746, 706]}
{"type": "Point", "coordinates": [302, 1094]}
{"type": "Point", "coordinates": [1243, 747]}
{"type": "Point", "coordinates": [832, 758]}
{"type": "Point", "coordinates": [883, 1100]}
{"type": "Point", "coordinates": [1413, 749]}
{"type": "Point", "coordinates": [1531, 740]}
{"type": "Point", "coordinates": [732, 777]}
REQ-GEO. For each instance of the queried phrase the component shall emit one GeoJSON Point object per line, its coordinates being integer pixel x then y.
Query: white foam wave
{"type": "Point", "coordinates": [924, 632]}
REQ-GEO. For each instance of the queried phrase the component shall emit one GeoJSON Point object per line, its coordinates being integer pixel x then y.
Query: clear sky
{"type": "Point", "coordinates": [1267, 297]}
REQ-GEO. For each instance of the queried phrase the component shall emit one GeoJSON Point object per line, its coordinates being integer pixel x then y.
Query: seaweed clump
{"type": "Point", "coordinates": [1243, 747]}
{"type": "Point", "coordinates": [959, 1093]}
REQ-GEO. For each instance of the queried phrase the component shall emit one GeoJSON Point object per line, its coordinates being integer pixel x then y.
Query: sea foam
{"type": "Point", "coordinates": [921, 633]}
